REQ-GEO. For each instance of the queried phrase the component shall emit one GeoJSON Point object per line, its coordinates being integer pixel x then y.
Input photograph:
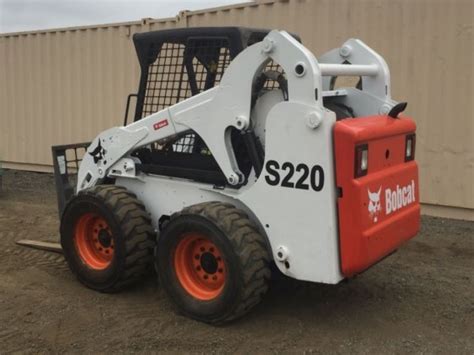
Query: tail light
{"type": "Point", "coordinates": [361, 160]}
{"type": "Point", "coordinates": [410, 147]}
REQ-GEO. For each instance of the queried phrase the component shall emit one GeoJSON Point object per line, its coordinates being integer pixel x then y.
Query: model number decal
{"type": "Point", "coordinates": [284, 175]}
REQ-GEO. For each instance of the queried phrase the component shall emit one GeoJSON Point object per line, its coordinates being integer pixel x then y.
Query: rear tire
{"type": "Point", "coordinates": [212, 262]}
{"type": "Point", "coordinates": [107, 238]}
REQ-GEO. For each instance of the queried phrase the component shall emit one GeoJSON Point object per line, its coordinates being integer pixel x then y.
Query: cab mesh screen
{"type": "Point", "coordinates": [181, 71]}
{"type": "Point", "coordinates": [184, 70]}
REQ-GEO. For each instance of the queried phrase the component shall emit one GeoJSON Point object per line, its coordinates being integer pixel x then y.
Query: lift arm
{"type": "Point", "coordinates": [212, 113]}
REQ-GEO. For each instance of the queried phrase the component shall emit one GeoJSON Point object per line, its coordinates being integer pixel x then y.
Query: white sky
{"type": "Point", "coordinates": [26, 15]}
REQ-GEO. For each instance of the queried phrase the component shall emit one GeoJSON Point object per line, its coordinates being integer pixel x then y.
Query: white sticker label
{"type": "Point", "coordinates": [62, 164]}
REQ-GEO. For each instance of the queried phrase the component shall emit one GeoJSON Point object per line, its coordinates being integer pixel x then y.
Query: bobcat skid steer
{"type": "Point", "coordinates": [242, 153]}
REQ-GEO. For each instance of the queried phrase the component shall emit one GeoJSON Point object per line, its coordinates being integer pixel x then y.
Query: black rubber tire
{"type": "Point", "coordinates": [244, 251]}
{"type": "Point", "coordinates": [132, 233]}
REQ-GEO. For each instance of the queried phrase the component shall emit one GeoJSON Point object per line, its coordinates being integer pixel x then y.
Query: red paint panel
{"type": "Point", "coordinates": [381, 210]}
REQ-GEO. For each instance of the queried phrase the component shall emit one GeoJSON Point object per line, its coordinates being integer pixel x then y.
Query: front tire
{"type": "Point", "coordinates": [212, 262]}
{"type": "Point", "coordinates": [107, 238]}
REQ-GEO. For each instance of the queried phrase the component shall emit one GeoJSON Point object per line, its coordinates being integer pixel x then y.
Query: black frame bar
{"type": "Point", "coordinates": [62, 175]}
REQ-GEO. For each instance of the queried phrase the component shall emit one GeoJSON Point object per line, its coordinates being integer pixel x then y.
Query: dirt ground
{"type": "Point", "coordinates": [421, 299]}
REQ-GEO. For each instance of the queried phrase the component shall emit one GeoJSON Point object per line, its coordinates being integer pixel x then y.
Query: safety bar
{"type": "Point", "coordinates": [349, 69]}
{"type": "Point", "coordinates": [125, 119]}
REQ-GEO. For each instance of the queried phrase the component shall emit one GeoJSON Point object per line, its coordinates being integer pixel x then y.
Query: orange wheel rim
{"type": "Point", "coordinates": [93, 241]}
{"type": "Point", "coordinates": [200, 267]}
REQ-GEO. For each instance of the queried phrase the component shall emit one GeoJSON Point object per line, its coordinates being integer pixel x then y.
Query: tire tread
{"type": "Point", "coordinates": [248, 243]}
{"type": "Point", "coordinates": [135, 224]}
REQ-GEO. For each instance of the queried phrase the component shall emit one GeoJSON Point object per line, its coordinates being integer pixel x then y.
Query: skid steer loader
{"type": "Point", "coordinates": [243, 153]}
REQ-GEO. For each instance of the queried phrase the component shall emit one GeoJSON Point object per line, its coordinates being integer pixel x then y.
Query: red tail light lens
{"type": "Point", "coordinates": [361, 160]}
{"type": "Point", "coordinates": [410, 147]}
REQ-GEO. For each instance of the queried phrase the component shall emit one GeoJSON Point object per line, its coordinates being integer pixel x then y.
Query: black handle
{"type": "Point", "coordinates": [127, 107]}
{"type": "Point", "coordinates": [398, 108]}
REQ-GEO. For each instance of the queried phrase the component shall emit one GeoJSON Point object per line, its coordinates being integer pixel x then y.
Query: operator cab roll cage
{"type": "Point", "coordinates": [180, 63]}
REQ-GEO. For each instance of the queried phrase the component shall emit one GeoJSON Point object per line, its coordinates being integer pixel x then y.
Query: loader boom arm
{"type": "Point", "coordinates": [212, 113]}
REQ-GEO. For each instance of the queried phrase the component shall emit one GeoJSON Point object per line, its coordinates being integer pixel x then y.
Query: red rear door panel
{"type": "Point", "coordinates": [381, 210]}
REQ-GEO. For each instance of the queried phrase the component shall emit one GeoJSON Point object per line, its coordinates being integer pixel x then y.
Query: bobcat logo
{"type": "Point", "coordinates": [374, 204]}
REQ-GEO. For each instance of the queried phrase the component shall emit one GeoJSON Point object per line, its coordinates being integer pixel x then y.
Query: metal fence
{"type": "Point", "coordinates": [66, 85]}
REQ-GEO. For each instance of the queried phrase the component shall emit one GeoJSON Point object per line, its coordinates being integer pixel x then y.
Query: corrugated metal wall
{"type": "Point", "coordinates": [65, 86]}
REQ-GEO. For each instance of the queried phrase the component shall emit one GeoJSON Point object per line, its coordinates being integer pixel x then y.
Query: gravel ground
{"type": "Point", "coordinates": [419, 300]}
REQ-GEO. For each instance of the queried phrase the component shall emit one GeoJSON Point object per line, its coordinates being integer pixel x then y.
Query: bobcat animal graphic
{"type": "Point", "coordinates": [374, 204]}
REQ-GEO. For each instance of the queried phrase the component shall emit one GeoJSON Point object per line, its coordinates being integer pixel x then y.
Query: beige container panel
{"type": "Point", "coordinates": [65, 86]}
